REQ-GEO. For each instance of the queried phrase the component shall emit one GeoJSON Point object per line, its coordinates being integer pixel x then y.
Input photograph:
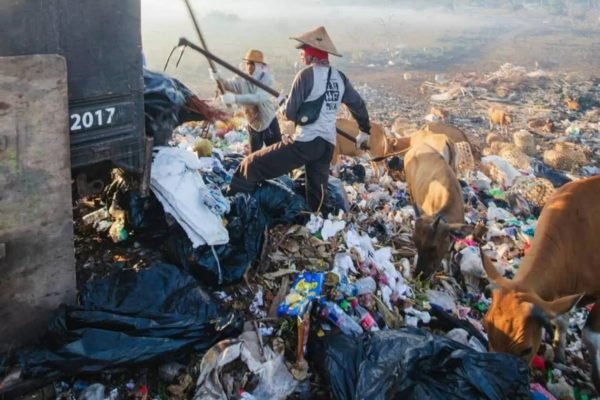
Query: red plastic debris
{"type": "Point", "coordinates": [538, 363]}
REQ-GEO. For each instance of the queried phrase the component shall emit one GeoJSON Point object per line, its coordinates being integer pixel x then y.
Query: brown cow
{"type": "Point", "coordinates": [439, 113]}
{"type": "Point", "coordinates": [438, 201]}
{"type": "Point", "coordinates": [497, 116]}
{"type": "Point", "coordinates": [345, 147]}
{"type": "Point", "coordinates": [562, 265]}
{"type": "Point", "coordinates": [572, 104]}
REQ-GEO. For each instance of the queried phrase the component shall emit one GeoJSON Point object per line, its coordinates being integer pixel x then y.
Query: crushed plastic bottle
{"type": "Point", "coordinates": [339, 318]}
{"type": "Point", "coordinates": [365, 319]}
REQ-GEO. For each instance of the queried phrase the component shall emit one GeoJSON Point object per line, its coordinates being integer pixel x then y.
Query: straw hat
{"type": "Point", "coordinates": [317, 38]}
{"type": "Point", "coordinates": [254, 56]}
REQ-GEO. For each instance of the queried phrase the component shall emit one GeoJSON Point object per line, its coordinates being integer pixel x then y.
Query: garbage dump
{"type": "Point", "coordinates": [130, 318]}
{"type": "Point", "coordinates": [331, 304]}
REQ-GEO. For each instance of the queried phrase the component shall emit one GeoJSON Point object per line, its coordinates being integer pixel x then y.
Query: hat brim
{"type": "Point", "coordinates": [254, 61]}
{"type": "Point", "coordinates": [302, 44]}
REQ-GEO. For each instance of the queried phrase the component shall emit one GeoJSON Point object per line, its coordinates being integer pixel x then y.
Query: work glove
{"type": "Point", "coordinates": [228, 98]}
{"type": "Point", "coordinates": [361, 138]}
{"type": "Point", "coordinates": [214, 75]}
{"type": "Point", "coordinates": [281, 99]}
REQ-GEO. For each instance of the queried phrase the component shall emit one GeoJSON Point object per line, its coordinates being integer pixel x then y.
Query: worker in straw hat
{"type": "Point", "coordinates": [257, 105]}
{"type": "Point", "coordinates": [313, 103]}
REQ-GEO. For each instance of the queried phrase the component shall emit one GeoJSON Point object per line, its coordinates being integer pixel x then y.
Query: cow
{"type": "Point", "coordinates": [440, 113]}
{"type": "Point", "coordinates": [438, 202]}
{"type": "Point", "coordinates": [441, 137]}
{"type": "Point", "coordinates": [497, 116]}
{"type": "Point", "coordinates": [376, 142]}
{"type": "Point", "coordinates": [572, 104]}
{"type": "Point", "coordinates": [561, 269]}
{"type": "Point", "coordinates": [454, 134]}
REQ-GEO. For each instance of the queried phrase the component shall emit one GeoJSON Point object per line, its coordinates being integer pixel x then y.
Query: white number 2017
{"type": "Point", "coordinates": [90, 119]}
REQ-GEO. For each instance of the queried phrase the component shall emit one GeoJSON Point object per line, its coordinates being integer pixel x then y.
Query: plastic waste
{"type": "Point", "coordinates": [556, 177]}
{"type": "Point", "coordinates": [93, 392]}
{"type": "Point", "coordinates": [334, 314]}
{"type": "Point", "coordinates": [331, 228]}
{"type": "Point", "coordinates": [412, 363]}
{"type": "Point", "coordinates": [362, 286]}
{"type": "Point", "coordinates": [365, 319]}
{"type": "Point", "coordinates": [441, 299]}
{"type": "Point", "coordinates": [226, 263]}
{"type": "Point", "coordinates": [129, 318]}
{"type": "Point", "coordinates": [539, 392]}
{"type": "Point", "coordinates": [306, 287]}
{"type": "Point", "coordinates": [353, 174]}
{"type": "Point", "coordinates": [169, 372]}
{"type": "Point", "coordinates": [498, 214]}
{"type": "Point", "coordinates": [95, 216]}
{"type": "Point", "coordinates": [480, 181]}
{"type": "Point", "coordinates": [315, 224]}
{"type": "Point", "coordinates": [414, 316]}
{"type": "Point", "coordinates": [471, 263]}
{"type": "Point", "coordinates": [274, 380]}
{"type": "Point", "coordinates": [166, 105]}
{"type": "Point", "coordinates": [508, 172]}
{"type": "Point", "coordinates": [343, 264]}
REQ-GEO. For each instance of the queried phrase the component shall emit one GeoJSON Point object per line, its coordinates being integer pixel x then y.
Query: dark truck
{"type": "Point", "coordinates": [100, 42]}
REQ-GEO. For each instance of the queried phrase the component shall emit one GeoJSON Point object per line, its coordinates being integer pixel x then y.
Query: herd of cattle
{"type": "Point", "coordinates": [560, 271]}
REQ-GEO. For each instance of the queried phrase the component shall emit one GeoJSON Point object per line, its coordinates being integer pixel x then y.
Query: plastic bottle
{"type": "Point", "coordinates": [339, 318]}
{"type": "Point", "coordinates": [361, 286]}
{"type": "Point", "coordinates": [365, 319]}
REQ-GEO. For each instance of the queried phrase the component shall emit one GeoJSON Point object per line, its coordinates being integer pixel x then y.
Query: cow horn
{"type": "Point", "coordinates": [417, 211]}
{"type": "Point", "coordinates": [552, 308]}
{"type": "Point", "coordinates": [436, 221]}
{"type": "Point", "coordinates": [539, 315]}
{"type": "Point", "coordinates": [493, 274]}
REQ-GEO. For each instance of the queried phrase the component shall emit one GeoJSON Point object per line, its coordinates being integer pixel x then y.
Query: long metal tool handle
{"type": "Point", "coordinates": [271, 91]}
{"type": "Point", "coordinates": [197, 27]}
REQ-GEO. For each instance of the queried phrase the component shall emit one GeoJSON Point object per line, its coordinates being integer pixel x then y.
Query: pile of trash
{"type": "Point", "coordinates": [252, 296]}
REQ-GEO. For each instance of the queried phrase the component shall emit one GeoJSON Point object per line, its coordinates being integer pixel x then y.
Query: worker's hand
{"type": "Point", "coordinates": [228, 98]}
{"type": "Point", "coordinates": [281, 111]}
{"type": "Point", "coordinates": [281, 99]}
{"type": "Point", "coordinates": [214, 75]}
{"type": "Point", "coordinates": [361, 138]}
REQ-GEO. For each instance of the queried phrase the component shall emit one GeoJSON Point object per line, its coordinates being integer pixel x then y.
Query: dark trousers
{"type": "Point", "coordinates": [269, 136]}
{"type": "Point", "coordinates": [279, 159]}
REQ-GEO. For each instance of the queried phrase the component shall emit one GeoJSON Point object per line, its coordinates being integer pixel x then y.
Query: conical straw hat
{"type": "Point", "coordinates": [317, 38]}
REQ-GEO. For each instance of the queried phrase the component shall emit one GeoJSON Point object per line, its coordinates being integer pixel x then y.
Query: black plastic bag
{"type": "Point", "coordinates": [412, 363]}
{"type": "Point", "coordinates": [131, 318]}
{"type": "Point", "coordinates": [336, 198]}
{"type": "Point", "coordinates": [246, 224]}
{"type": "Point", "coordinates": [353, 174]}
{"type": "Point", "coordinates": [272, 203]}
{"type": "Point", "coordinates": [556, 177]}
{"type": "Point", "coordinates": [165, 99]}
{"type": "Point", "coordinates": [279, 202]}
{"type": "Point", "coordinates": [446, 322]}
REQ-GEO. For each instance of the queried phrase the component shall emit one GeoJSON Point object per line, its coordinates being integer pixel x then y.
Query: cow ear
{"type": "Point", "coordinates": [493, 274]}
{"type": "Point", "coordinates": [461, 230]}
{"type": "Point", "coordinates": [540, 316]}
{"type": "Point", "coordinates": [417, 211]}
{"type": "Point", "coordinates": [552, 308]}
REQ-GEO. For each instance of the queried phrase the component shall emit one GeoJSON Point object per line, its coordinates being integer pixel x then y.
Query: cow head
{"type": "Point", "coordinates": [516, 317]}
{"type": "Point", "coordinates": [432, 237]}
{"type": "Point", "coordinates": [507, 119]}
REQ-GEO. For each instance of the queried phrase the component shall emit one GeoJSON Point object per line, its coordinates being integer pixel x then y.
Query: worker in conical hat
{"type": "Point", "coordinates": [317, 92]}
{"type": "Point", "coordinates": [257, 105]}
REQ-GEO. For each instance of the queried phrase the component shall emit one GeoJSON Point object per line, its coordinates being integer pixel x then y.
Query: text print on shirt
{"type": "Point", "coordinates": [332, 95]}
